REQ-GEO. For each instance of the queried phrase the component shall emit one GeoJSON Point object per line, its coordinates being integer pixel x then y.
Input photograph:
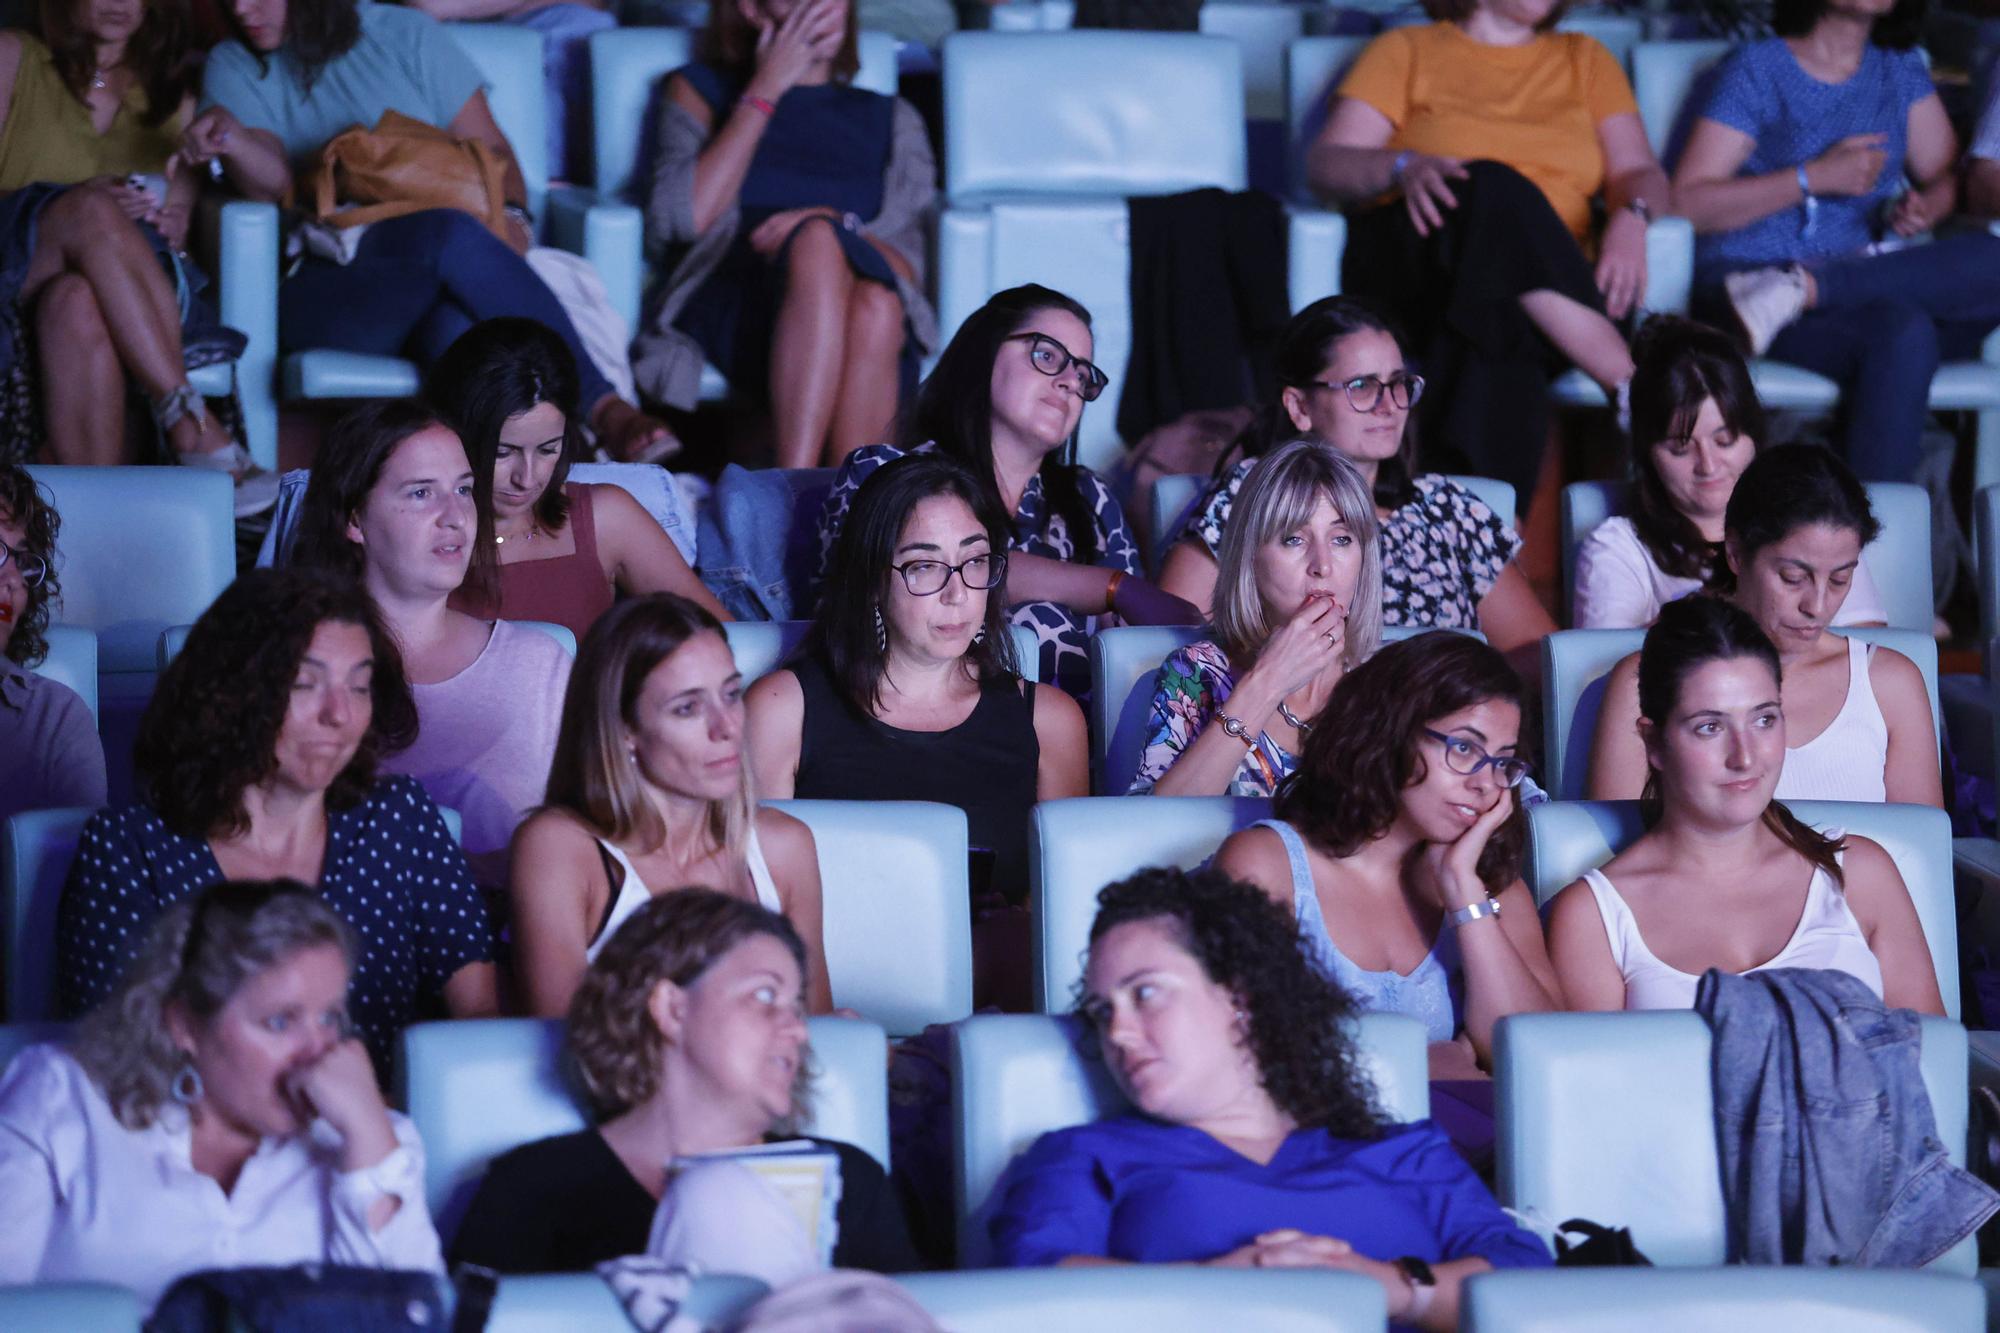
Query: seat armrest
{"type": "Point", "coordinates": [1669, 265]}
{"type": "Point", "coordinates": [1317, 240]}
{"type": "Point", "coordinates": [610, 235]}
{"type": "Point", "coordinates": [247, 275]}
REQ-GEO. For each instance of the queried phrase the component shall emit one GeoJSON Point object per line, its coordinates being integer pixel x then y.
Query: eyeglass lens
{"type": "Point", "coordinates": [33, 567]}
{"type": "Point", "coordinates": [926, 578]}
{"type": "Point", "coordinates": [1052, 359]}
{"type": "Point", "coordinates": [1364, 394]}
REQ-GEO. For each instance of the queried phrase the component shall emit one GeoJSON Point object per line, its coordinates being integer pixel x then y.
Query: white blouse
{"type": "Point", "coordinates": [88, 1200]}
{"type": "Point", "coordinates": [1619, 586]}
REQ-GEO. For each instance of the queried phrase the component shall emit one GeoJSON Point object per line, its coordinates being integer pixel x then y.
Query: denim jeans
{"type": "Point", "coordinates": [416, 283]}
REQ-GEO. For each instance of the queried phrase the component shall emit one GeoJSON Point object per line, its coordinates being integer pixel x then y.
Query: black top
{"type": "Point", "coordinates": [986, 766]}
{"type": "Point", "coordinates": [567, 1204]}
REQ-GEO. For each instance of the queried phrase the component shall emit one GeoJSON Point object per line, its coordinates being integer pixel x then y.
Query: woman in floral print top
{"type": "Point", "coordinates": [1447, 560]}
{"type": "Point", "coordinates": [1298, 600]}
{"type": "Point", "coordinates": [1004, 399]}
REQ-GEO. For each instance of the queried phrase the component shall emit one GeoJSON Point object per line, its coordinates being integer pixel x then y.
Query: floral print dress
{"type": "Point", "coordinates": [1189, 690]}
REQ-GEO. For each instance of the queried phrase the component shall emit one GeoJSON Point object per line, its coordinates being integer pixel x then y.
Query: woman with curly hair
{"type": "Point", "coordinates": [54, 757]}
{"type": "Point", "coordinates": [1253, 1141]}
{"type": "Point", "coordinates": [212, 1112]}
{"type": "Point", "coordinates": [1396, 845]}
{"type": "Point", "coordinates": [257, 759]}
{"type": "Point", "coordinates": [689, 1035]}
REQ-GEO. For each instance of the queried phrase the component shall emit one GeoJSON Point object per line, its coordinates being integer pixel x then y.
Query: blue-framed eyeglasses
{"type": "Point", "coordinates": [1469, 756]}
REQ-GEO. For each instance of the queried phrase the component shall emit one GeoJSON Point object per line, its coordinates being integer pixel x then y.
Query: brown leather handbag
{"type": "Point", "coordinates": [404, 166]}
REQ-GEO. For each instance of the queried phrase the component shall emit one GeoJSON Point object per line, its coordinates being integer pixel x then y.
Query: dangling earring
{"type": "Point", "coordinates": [979, 636]}
{"type": "Point", "coordinates": [881, 633]}
{"type": "Point", "coordinates": [186, 1085]}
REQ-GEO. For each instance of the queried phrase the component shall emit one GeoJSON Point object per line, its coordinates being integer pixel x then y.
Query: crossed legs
{"type": "Point", "coordinates": [834, 354]}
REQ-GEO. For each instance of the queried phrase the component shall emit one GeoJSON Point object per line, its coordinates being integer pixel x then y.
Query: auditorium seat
{"type": "Point", "coordinates": [72, 661]}
{"type": "Point", "coordinates": [1720, 1300]}
{"type": "Point", "coordinates": [36, 848]}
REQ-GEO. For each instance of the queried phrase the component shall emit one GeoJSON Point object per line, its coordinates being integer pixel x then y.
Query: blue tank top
{"type": "Point", "coordinates": [1434, 991]}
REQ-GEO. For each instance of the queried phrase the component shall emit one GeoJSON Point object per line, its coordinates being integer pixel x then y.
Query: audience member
{"type": "Point", "coordinates": [257, 759]}
{"type": "Point", "coordinates": [1253, 1140]}
{"type": "Point", "coordinates": [1475, 147]}
{"type": "Point", "coordinates": [212, 1112]}
{"type": "Point", "coordinates": [1005, 399]}
{"type": "Point", "coordinates": [1696, 424]}
{"type": "Point", "coordinates": [798, 203]}
{"type": "Point", "coordinates": [1299, 601]}
{"type": "Point", "coordinates": [47, 733]}
{"type": "Point", "coordinates": [1715, 879]}
{"type": "Point", "coordinates": [565, 549]}
{"type": "Point", "coordinates": [689, 1034]}
{"type": "Point", "coordinates": [390, 504]}
{"type": "Point", "coordinates": [93, 197]}
{"type": "Point", "coordinates": [1399, 833]}
{"type": "Point", "coordinates": [1858, 717]}
{"type": "Point", "coordinates": [650, 793]}
{"type": "Point", "coordinates": [1447, 560]}
{"type": "Point", "coordinates": [1818, 154]}
{"type": "Point", "coordinates": [300, 72]}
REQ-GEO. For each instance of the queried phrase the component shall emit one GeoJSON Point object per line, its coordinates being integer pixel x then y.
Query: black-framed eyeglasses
{"type": "Point", "coordinates": [926, 578]}
{"type": "Point", "coordinates": [1052, 359]}
{"type": "Point", "coordinates": [1364, 392]}
{"type": "Point", "coordinates": [34, 568]}
{"type": "Point", "coordinates": [1468, 757]}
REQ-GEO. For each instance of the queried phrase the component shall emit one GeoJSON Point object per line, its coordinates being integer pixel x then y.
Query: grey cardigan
{"type": "Point", "coordinates": [665, 361]}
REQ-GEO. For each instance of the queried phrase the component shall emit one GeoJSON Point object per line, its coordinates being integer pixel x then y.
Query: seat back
{"type": "Point", "coordinates": [1160, 1298]}
{"type": "Point", "coordinates": [477, 1087]}
{"type": "Point", "coordinates": [1620, 34]}
{"type": "Point", "coordinates": [1261, 31]}
{"type": "Point", "coordinates": [1612, 1116]}
{"type": "Point", "coordinates": [36, 847]}
{"type": "Point", "coordinates": [142, 548]}
{"type": "Point", "coordinates": [1667, 78]}
{"type": "Point", "coordinates": [627, 66]}
{"type": "Point", "coordinates": [510, 58]}
{"type": "Point", "coordinates": [1720, 1300]}
{"type": "Point", "coordinates": [898, 944]}
{"type": "Point", "coordinates": [1078, 846]}
{"type": "Point", "coordinates": [75, 1307]}
{"type": "Point", "coordinates": [762, 646]}
{"type": "Point", "coordinates": [1986, 558]}
{"type": "Point", "coordinates": [1314, 67]}
{"type": "Point", "coordinates": [1566, 838]}
{"type": "Point", "coordinates": [1019, 1076]}
{"type": "Point", "coordinates": [1124, 662]}
{"type": "Point", "coordinates": [72, 661]}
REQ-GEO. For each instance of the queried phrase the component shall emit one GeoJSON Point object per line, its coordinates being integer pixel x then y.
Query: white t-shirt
{"type": "Point", "coordinates": [1619, 586]}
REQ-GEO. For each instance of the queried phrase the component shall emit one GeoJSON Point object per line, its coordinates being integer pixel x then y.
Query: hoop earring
{"type": "Point", "coordinates": [186, 1085]}
{"type": "Point", "coordinates": [881, 632]}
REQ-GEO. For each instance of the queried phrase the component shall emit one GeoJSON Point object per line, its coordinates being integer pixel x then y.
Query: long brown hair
{"type": "Point", "coordinates": [161, 53]}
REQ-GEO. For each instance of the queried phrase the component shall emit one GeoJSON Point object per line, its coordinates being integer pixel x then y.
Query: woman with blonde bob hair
{"type": "Point", "coordinates": [688, 1034]}
{"type": "Point", "coordinates": [216, 1093]}
{"type": "Point", "coordinates": [650, 793]}
{"type": "Point", "coordinates": [1298, 600]}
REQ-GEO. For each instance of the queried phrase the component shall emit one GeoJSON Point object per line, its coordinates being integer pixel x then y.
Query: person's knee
{"type": "Point", "coordinates": [67, 312]}
{"type": "Point", "coordinates": [88, 213]}
{"type": "Point", "coordinates": [1903, 344]}
{"type": "Point", "coordinates": [874, 319]}
{"type": "Point", "coordinates": [814, 259]}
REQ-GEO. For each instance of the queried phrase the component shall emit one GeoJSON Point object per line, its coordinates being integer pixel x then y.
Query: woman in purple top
{"type": "Point", "coordinates": [1254, 1141]}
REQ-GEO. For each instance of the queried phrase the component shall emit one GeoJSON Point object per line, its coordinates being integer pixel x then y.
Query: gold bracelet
{"type": "Point", "coordinates": [1111, 589]}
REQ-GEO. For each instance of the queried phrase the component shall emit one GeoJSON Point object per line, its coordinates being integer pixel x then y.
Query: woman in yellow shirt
{"type": "Point", "coordinates": [84, 298]}
{"type": "Point", "coordinates": [1472, 149]}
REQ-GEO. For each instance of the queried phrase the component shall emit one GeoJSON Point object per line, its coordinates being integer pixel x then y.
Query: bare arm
{"type": "Point", "coordinates": [1910, 773]}
{"type": "Point", "coordinates": [1351, 159]}
{"type": "Point", "coordinates": [640, 557]}
{"type": "Point", "coordinates": [473, 992]}
{"type": "Point", "coordinates": [1507, 969]}
{"type": "Point", "coordinates": [1982, 187]}
{"type": "Point", "coordinates": [794, 860]}
{"type": "Point", "coordinates": [1931, 163]}
{"type": "Point", "coordinates": [1881, 904]}
{"type": "Point", "coordinates": [1085, 589]}
{"type": "Point", "coordinates": [1709, 193]}
{"type": "Point", "coordinates": [1064, 766]}
{"type": "Point", "coordinates": [253, 159]}
{"type": "Point", "coordinates": [1586, 974]}
{"type": "Point", "coordinates": [1511, 616]}
{"type": "Point", "coordinates": [776, 718]}
{"type": "Point", "coordinates": [1189, 574]}
{"type": "Point", "coordinates": [557, 888]}
{"type": "Point", "coordinates": [1617, 755]}
{"type": "Point", "coordinates": [1631, 172]}
{"type": "Point", "coordinates": [1257, 856]}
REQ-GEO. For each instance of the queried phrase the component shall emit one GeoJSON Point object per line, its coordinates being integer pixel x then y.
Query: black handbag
{"type": "Point", "coordinates": [1600, 1246]}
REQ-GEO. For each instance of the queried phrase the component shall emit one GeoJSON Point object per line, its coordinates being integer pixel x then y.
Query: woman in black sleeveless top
{"type": "Point", "coordinates": [905, 688]}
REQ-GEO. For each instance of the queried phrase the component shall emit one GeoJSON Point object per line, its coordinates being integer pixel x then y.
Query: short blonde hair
{"type": "Point", "coordinates": [1281, 493]}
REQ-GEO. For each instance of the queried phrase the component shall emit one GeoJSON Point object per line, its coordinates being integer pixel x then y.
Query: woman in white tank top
{"type": "Point", "coordinates": [1859, 717]}
{"type": "Point", "coordinates": [1724, 876]}
{"type": "Point", "coordinates": [649, 793]}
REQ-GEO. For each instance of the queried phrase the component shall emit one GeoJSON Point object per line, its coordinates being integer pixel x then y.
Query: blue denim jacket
{"type": "Point", "coordinates": [757, 540]}
{"type": "Point", "coordinates": [1823, 1126]}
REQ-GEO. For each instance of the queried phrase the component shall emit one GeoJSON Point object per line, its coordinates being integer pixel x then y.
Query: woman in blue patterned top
{"type": "Point", "coordinates": [1818, 153]}
{"type": "Point", "coordinates": [257, 759]}
{"type": "Point", "coordinates": [1005, 400]}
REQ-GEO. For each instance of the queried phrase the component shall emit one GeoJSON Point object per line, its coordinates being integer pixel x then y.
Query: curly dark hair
{"type": "Point", "coordinates": [164, 53]}
{"type": "Point", "coordinates": [316, 33]}
{"type": "Point", "coordinates": [1367, 746]}
{"type": "Point", "coordinates": [211, 730]}
{"type": "Point", "coordinates": [1297, 1018]}
{"type": "Point", "coordinates": [27, 504]}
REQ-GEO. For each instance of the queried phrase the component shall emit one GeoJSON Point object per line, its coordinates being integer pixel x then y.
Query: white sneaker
{"type": "Point", "coordinates": [1765, 301]}
{"type": "Point", "coordinates": [256, 489]}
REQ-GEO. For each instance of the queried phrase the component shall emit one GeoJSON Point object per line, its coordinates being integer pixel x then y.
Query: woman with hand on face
{"type": "Point", "coordinates": [212, 1112]}
{"type": "Point", "coordinates": [649, 794]}
{"type": "Point", "coordinates": [1252, 1141]}
{"type": "Point", "coordinates": [1696, 424]}
{"type": "Point", "coordinates": [1724, 876]}
{"type": "Point", "coordinates": [390, 503]}
{"type": "Point", "coordinates": [798, 203]}
{"type": "Point", "coordinates": [564, 549]}
{"type": "Point", "coordinates": [1299, 601]}
{"type": "Point", "coordinates": [258, 759]}
{"type": "Point", "coordinates": [689, 1034]}
{"type": "Point", "coordinates": [1858, 717]}
{"type": "Point", "coordinates": [1397, 844]}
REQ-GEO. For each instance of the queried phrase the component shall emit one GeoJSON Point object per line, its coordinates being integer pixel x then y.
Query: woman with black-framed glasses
{"type": "Point", "coordinates": [1005, 400]}
{"type": "Point", "coordinates": [1397, 844]}
{"type": "Point", "coordinates": [53, 755]}
{"type": "Point", "coordinates": [906, 689]}
{"type": "Point", "coordinates": [1447, 560]}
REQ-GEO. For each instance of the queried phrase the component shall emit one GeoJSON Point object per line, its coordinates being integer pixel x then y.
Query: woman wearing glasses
{"type": "Point", "coordinates": [1447, 560]}
{"type": "Point", "coordinates": [905, 687]}
{"type": "Point", "coordinates": [47, 733]}
{"type": "Point", "coordinates": [1724, 876]}
{"type": "Point", "coordinates": [1004, 399]}
{"type": "Point", "coordinates": [1397, 845]}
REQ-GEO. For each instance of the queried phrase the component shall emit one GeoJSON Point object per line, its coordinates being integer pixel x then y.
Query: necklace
{"type": "Point", "coordinates": [1286, 713]}
{"type": "Point", "coordinates": [534, 531]}
{"type": "Point", "coordinates": [98, 80]}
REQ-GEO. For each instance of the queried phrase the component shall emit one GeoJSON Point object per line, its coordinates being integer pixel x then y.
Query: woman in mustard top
{"type": "Point", "coordinates": [85, 300]}
{"type": "Point", "coordinates": [1472, 149]}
